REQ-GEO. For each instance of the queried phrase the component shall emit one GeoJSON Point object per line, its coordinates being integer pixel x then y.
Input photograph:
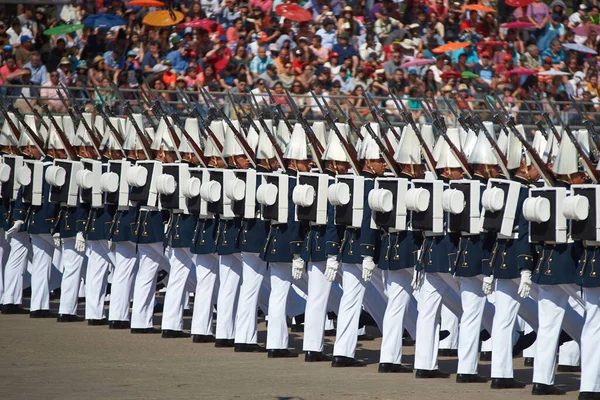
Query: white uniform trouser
{"type": "Point", "coordinates": [552, 303]}
{"type": "Point", "coordinates": [96, 278]}
{"type": "Point", "coordinates": [150, 257]}
{"type": "Point", "coordinates": [473, 303]}
{"type": "Point", "coordinates": [181, 281]}
{"type": "Point", "coordinates": [122, 281]}
{"type": "Point", "coordinates": [14, 268]}
{"type": "Point", "coordinates": [230, 273]}
{"type": "Point", "coordinates": [350, 307]}
{"type": "Point", "coordinates": [281, 280]}
{"type": "Point", "coordinates": [316, 307]}
{"type": "Point", "coordinates": [398, 289]}
{"type": "Point", "coordinates": [590, 351]}
{"type": "Point", "coordinates": [4, 251]}
{"type": "Point", "coordinates": [42, 250]}
{"type": "Point", "coordinates": [428, 330]}
{"type": "Point", "coordinates": [569, 354]}
{"type": "Point", "coordinates": [253, 274]}
{"type": "Point", "coordinates": [207, 266]}
{"type": "Point", "coordinates": [72, 264]}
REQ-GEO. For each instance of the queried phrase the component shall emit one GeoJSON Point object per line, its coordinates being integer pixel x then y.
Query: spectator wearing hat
{"type": "Point", "coordinates": [179, 59]}
{"type": "Point", "coordinates": [98, 71]}
{"type": "Point", "coordinates": [485, 70]}
{"type": "Point", "coordinates": [328, 34]}
{"type": "Point", "coordinates": [16, 32]}
{"type": "Point", "coordinates": [39, 73]}
{"type": "Point", "coordinates": [168, 76]}
{"type": "Point", "coordinates": [464, 91]}
{"type": "Point", "coordinates": [345, 50]}
{"type": "Point", "coordinates": [575, 19]}
{"type": "Point", "coordinates": [501, 69]}
{"type": "Point", "coordinates": [347, 22]}
{"type": "Point", "coordinates": [23, 52]}
{"type": "Point", "coordinates": [80, 78]}
{"type": "Point", "coordinates": [333, 65]}
{"type": "Point", "coordinates": [576, 86]}
{"type": "Point", "coordinates": [259, 64]}
{"type": "Point", "coordinates": [65, 75]}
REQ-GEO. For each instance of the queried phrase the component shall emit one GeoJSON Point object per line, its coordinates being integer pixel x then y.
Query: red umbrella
{"type": "Point", "coordinates": [293, 12]}
{"type": "Point", "coordinates": [585, 30]}
{"type": "Point", "coordinates": [205, 24]}
{"type": "Point", "coordinates": [519, 3]}
{"type": "Point", "coordinates": [479, 7]}
{"type": "Point", "coordinates": [517, 25]}
{"type": "Point", "coordinates": [417, 62]}
{"type": "Point", "coordinates": [521, 72]}
{"type": "Point", "coordinates": [144, 3]}
{"type": "Point", "coordinates": [451, 74]}
{"type": "Point", "coordinates": [451, 46]}
{"type": "Point", "coordinates": [491, 43]}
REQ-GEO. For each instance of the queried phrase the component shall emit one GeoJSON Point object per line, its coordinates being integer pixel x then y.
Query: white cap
{"type": "Point", "coordinates": [68, 127]}
{"type": "Point", "coordinates": [43, 130]}
{"type": "Point", "coordinates": [54, 141]}
{"type": "Point", "coordinates": [320, 131]}
{"type": "Point", "coordinates": [566, 160]}
{"type": "Point", "coordinates": [163, 139]}
{"type": "Point", "coordinates": [283, 134]}
{"type": "Point", "coordinates": [193, 130]}
{"type": "Point", "coordinates": [447, 159]}
{"type": "Point", "coordinates": [101, 127]}
{"type": "Point", "coordinates": [82, 137]}
{"type": "Point", "coordinates": [550, 151]}
{"type": "Point", "coordinates": [334, 150]}
{"type": "Point", "coordinates": [438, 147]}
{"type": "Point", "coordinates": [482, 151]}
{"type": "Point", "coordinates": [30, 121]}
{"type": "Point", "coordinates": [297, 146]}
{"type": "Point", "coordinates": [231, 147]}
{"type": "Point", "coordinates": [7, 138]}
{"type": "Point", "coordinates": [264, 149]}
{"type": "Point", "coordinates": [131, 141]}
{"type": "Point", "coordinates": [427, 135]}
{"type": "Point", "coordinates": [502, 141]}
{"type": "Point", "coordinates": [469, 143]}
{"type": "Point", "coordinates": [463, 136]}
{"type": "Point", "coordinates": [409, 150]}
{"type": "Point", "coordinates": [515, 151]}
{"type": "Point", "coordinates": [219, 130]}
{"type": "Point", "coordinates": [369, 150]}
{"type": "Point", "coordinates": [539, 144]}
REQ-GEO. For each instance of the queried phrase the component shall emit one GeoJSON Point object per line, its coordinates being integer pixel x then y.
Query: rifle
{"type": "Point", "coordinates": [313, 142]}
{"type": "Point", "coordinates": [37, 141]}
{"type": "Point", "coordinates": [349, 121]}
{"type": "Point", "coordinates": [348, 148]}
{"type": "Point", "coordinates": [35, 112]}
{"type": "Point", "coordinates": [93, 138]}
{"type": "Point", "coordinates": [439, 124]}
{"type": "Point", "coordinates": [463, 122]}
{"type": "Point", "coordinates": [547, 118]}
{"type": "Point", "coordinates": [589, 125]}
{"type": "Point", "coordinates": [150, 107]}
{"type": "Point", "coordinates": [115, 132]}
{"type": "Point", "coordinates": [587, 163]}
{"type": "Point", "coordinates": [248, 152]}
{"type": "Point", "coordinates": [279, 110]}
{"type": "Point", "coordinates": [61, 134]}
{"type": "Point", "coordinates": [500, 156]}
{"type": "Point", "coordinates": [537, 161]}
{"type": "Point", "coordinates": [270, 135]}
{"type": "Point", "coordinates": [15, 129]}
{"type": "Point", "coordinates": [386, 154]}
{"type": "Point", "coordinates": [377, 113]}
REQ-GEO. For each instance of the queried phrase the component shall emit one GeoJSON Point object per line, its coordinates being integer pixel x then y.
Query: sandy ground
{"type": "Point", "coordinates": [41, 359]}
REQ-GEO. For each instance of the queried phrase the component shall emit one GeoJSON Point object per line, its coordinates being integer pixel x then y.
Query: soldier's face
{"type": "Point", "coordinates": [241, 162]}
{"type": "Point", "coordinates": [303, 165]}
{"type": "Point", "coordinates": [274, 163]}
{"type": "Point", "coordinates": [534, 174]}
{"type": "Point", "coordinates": [378, 166]}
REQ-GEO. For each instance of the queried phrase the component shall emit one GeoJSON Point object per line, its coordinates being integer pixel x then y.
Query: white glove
{"type": "Point", "coordinates": [457, 281]}
{"type": "Point", "coordinates": [79, 242]}
{"type": "Point", "coordinates": [13, 229]}
{"type": "Point", "coordinates": [417, 281]}
{"type": "Point", "coordinates": [488, 285]}
{"type": "Point", "coordinates": [57, 241]}
{"type": "Point", "coordinates": [297, 267]}
{"type": "Point", "coordinates": [368, 266]}
{"type": "Point", "coordinates": [331, 269]}
{"type": "Point", "coordinates": [525, 284]}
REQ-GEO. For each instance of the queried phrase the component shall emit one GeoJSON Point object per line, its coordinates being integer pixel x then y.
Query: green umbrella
{"type": "Point", "coordinates": [60, 29]}
{"type": "Point", "coordinates": [469, 75]}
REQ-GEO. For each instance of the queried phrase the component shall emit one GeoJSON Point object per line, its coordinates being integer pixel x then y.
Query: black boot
{"type": "Point", "coordinates": [119, 325]}
{"type": "Point", "coordinates": [203, 338]}
{"type": "Point", "coordinates": [69, 318]}
{"type": "Point", "coordinates": [507, 383]}
{"type": "Point", "coordinates": [248, 348]}
{"type": "Point", "coordinates": [282, 353]}
{"type": "Point", "coordinates": [539, 389]}
{"type": "Point", "coordinates": [316, 356]}
{"type": "Point", "coordinates": [431, 374]}
{"type": "Point", "coordinates": [42, 314]}
{"type": "Point", "coordinates": [470, 378]}
{"type": "Point", "coordinates": [343, 362]}
{"type": "Point", "coordinates": [386, 368]}
{"type": "Point", "coordinates": [174, 334]}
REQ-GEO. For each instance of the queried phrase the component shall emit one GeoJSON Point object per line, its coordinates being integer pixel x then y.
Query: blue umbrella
{"type": "Point", "coordinates": [580, 48]}
{"type": "Point", "coordinates": [103, 21]}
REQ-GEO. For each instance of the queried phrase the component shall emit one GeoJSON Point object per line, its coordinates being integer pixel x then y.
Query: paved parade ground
{"type": "Point", "coordinates": [42, 359]}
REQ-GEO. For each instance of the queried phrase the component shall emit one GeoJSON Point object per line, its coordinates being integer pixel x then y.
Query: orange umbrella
{"type": "Point", "coordinates": [451, 46]}
{"type": "Point", "coordinates": [163, 18]}
{"type": "Point", "coordinates": [479, 7]}
{"type": "Point", "coordinates": [144, 3]}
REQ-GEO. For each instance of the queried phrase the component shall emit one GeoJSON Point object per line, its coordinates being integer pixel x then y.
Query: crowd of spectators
{"type": "Point", "coordinates": [348, 48]}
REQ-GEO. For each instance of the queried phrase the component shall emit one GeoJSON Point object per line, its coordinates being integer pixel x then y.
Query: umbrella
{"type": "Point", "coordinates": [485, 43]}
{"type": "Point", "coordinates": [103, 21]}
{"type": "Point", "coordinates": [451, 74]}
{"type": "Point", "coordinates": [579, 47]}
{"type": "Point", "coordinates": [205, 24]}
{"type": "Point", "coordinates": [417, 62]}
{"type": "Point", "coordinates": [469, 75]}
{"type": "Point", "coordinates": [585, 30]}
{"type": "Point", "coordinates": [553, 72]}
{"type": "Point", "coordinates": [479, 7]}
{"type": "Point", "coordinates": [518, 3]}
{"type": "Point", "coordinates": [293, 12]}
{"type": "Point", "coordinates": [451, 46]}
{"type": "Point", "coordinates": [521, 71]}
{"type": "Point", "coordinates": [163, 18]}
{"type": "Point", "coordinates": [517, 25]}
{"type": "Point", "coordinates": [144, 3]}
{"type": "Point", "coordinates": [65, 28]}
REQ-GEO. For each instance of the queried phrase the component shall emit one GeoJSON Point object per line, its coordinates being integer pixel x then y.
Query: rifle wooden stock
{"type": "Point", "coordinates": [61, 134]}
{"type": "Point", "coordinates": [37, 141]}
{"type": "Point", "coordinates": [349, 121]}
